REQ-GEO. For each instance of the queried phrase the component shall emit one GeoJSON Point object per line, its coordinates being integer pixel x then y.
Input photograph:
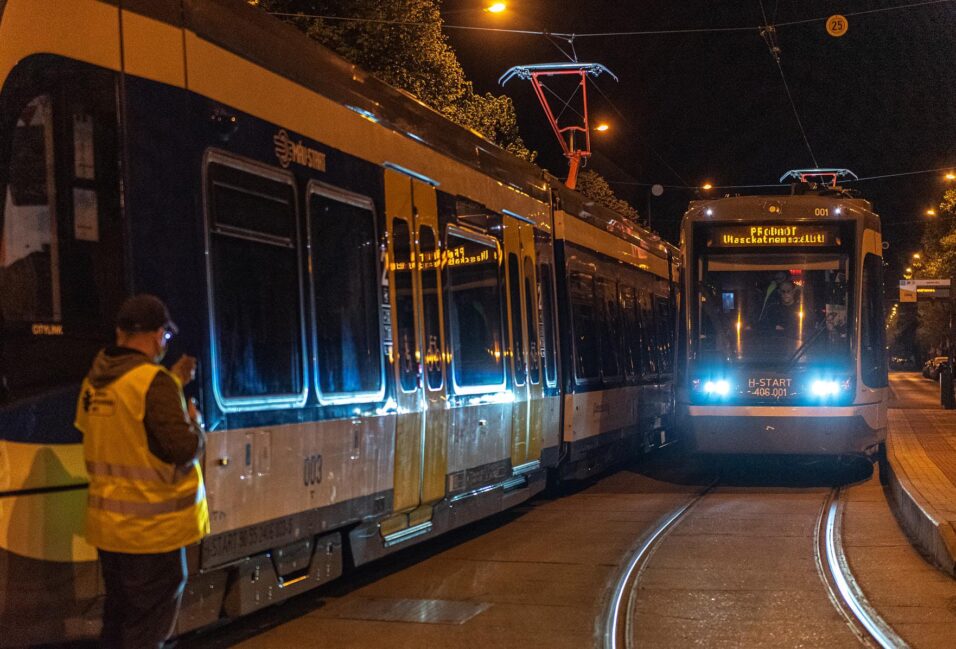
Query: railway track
{"type": "Point", "coordinates": [843, 591]}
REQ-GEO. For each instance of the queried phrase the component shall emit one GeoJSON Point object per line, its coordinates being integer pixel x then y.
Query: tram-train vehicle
{"type": "Point", "coordinates": [400, 327]}
{"type": "Point", "coordinates": [782, 324]}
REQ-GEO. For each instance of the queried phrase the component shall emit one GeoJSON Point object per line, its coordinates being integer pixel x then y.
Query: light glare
{"type": "Point", "coordinates": [497, 8]}
{"type": "Point", "coordinates": [719, 387]}
{"type": "Point", "coordinates": [825, 388]}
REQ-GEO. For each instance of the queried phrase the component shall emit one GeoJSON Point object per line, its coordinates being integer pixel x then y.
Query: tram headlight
{"type": "Point", "coordinates": [711, 388]}
{"type": "Point", "coordinates": [825, 388]}
{"type": "Point", "coordinates": [829, 388]}
{"type": "Point", "coordinates": [718, 388]}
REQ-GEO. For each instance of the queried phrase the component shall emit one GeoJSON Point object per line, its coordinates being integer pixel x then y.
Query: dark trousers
{"type": "Point", "coordinates": [143, 592]}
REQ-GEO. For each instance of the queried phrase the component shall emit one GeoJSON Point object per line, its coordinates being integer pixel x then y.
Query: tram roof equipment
{"type": "Point", "coordinates": [829, 176]}
{"type": "Point", "coordinates": [565, 134]}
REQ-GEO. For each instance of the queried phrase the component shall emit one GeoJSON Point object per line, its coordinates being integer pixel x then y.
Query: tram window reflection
{"type": "Point", "coordinates": [517, 341]}
{"type": "Point", "coordinates": [348, 337]}
{"type": "Point", "coordinates": [587, 363]}
{"type": "Point", "coordinates": [769, 308]}
{"type": "Point", "coordinates": [258, 325]}
{"type": "Point", "coordinates": [474, 301]}
{"type": "Point", "coordinates": [547, 318]}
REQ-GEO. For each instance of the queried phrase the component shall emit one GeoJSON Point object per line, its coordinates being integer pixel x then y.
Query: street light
{"type": "Point", "coordinates": [496, 8]}
{"type": "Point", "coordinates": [931, 212]}
{"type": "Point", "coordinates": [950, 176]}
{"type": "Point", "coordinates": [707, 187]}
{"type": "Point", "coordinates": [916, 255]}
{"type": "Point", "coordinates": [602, 127]}
{"type": "Point", "coordinates": [909, 270]}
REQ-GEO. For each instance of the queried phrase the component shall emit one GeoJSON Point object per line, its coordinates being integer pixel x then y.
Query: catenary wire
{"type": "Point", "coordinates": [769, 185]}
{"type": "Point", "coordinates": [652, 32]}
{"type": "Point", "coordinates": [769, 35]}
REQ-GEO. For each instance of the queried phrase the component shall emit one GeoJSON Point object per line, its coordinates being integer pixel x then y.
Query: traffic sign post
{"type": "Point", "coordinates": [923, 290]}
{"type": "Point", "coordinates": [931, 290]}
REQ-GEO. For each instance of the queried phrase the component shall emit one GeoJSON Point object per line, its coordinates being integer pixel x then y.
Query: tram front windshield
{"type": "Point", "coordinates": [774, 310]}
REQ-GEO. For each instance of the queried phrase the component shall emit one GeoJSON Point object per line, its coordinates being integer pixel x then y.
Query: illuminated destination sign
{"type": "Point", "coordinates": [750, 236]}
{"type": "Point", "coordinates": [458, 256]}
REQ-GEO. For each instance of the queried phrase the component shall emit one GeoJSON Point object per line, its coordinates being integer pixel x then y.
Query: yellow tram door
{"type": "Point", "coordinates": [522, 329]}
{"type": "Point", "coordinates": [437, 414]}
{"type": "Point", "coordinates": [418, 345]}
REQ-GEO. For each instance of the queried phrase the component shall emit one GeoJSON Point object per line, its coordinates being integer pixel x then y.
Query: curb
{"type": "Point", "coordinates": [933, 536]}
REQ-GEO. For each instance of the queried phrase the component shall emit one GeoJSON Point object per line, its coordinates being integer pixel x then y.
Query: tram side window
{"type": "Point", "coordinates": [430, 256]}
{"type": "Point", "coordinates": [610, 329]}
{"type": "Point", "coordinates": [31, 275]}
{"type": "Point", "coordinates": [474, 301]}
{"type": "Point", "coordinates": [632, 332]}
{"type": "Point", "coordinates": [546, 299]}
{"type": "Point", "coordinates": [407, 346]}
{"type": "Point", "coordinates": [665, 327]}
{"type": "Point", "coordinates": [587, 358]}
{"type": "Point", "coordinates": [649, 331]}
{"type": "Point", "coordinates": [345, 271]}
{"type": "Point", "coordinates": [872, 346]}
{"type": "Point", "coordinates": [531, 313]}
{"type": "Point", "coordinates": [61, 242]}
{"type": "Point", "coordinates": [514, 290]}
{"type": "Point", "coordinates": [255, 284]}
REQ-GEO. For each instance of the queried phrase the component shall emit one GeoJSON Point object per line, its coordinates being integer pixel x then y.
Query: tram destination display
{"type": "Point", "coordinates": [760, 236]}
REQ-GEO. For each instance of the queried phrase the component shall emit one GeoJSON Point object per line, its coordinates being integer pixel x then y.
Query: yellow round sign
{"type": "Point", "coordinates": [836, 25]}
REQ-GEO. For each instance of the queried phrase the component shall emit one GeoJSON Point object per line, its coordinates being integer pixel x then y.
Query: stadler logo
{"type": "Point", "coordinates": [288, 151]}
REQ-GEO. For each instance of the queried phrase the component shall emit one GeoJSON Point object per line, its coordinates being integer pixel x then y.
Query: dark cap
{"type": "Point", "coordinates": [144, 312]}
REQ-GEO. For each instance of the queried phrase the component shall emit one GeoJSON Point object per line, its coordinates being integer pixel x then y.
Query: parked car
{"type": "Point", "coordinates": [903, 364]}
{"type": "Point", "coordinates": [933, 366]}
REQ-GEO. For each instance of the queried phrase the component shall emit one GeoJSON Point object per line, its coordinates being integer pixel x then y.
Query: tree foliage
{"type": "Point", "coordinates": [402, 43]}
{"type": "Point", "coordinates": [594, 186]}
{"type": "Point", "coordinates": [938, 261]}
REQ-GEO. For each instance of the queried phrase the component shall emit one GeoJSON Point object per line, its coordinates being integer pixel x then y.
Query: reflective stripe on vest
{"type": "Point", "coordinates": [140, 509]}
{"type": "Point", "coordinates": [136, 472]}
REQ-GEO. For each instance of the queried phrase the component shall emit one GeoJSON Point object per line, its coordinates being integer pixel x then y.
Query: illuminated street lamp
{"type": "Point", "coordinates": [496, 8]}
{"type": "Point", "coordinates": [950, 176]}
{"type": "Point", "coordinates": [909, 270]}
{"type": "Point", "coordinates": [602, 127]}
{"type": "Point", "coordinates": [707, 187]}
{"type": "Point", "coordinates": [916, 255]}
{"type": "Point", "coordinates": [931, 212]}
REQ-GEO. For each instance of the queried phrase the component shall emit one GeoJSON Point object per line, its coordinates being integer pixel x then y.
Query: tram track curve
{"type": "Point", "coordinates": [842, 588]}
{"type": "Point", "coordinates": [833, 569]}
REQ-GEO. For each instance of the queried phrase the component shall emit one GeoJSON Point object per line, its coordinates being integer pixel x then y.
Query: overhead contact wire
{"type": "Point", "coordinates": [651, 32]}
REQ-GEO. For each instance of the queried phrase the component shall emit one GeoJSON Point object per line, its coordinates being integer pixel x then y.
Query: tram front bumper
{"type": "Point", "coordinates": [784, 430]}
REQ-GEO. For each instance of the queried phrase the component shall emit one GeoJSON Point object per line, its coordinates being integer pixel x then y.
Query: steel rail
{"type": "Point", "coordinates": [844, 591]}
{"type": "Point", "coordinates": [615, 631]}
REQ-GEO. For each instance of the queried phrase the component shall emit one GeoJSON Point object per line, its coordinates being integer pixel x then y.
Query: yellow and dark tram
{"type": "Point", "coordinates": [400, 327]}
{"type": "Point", "coordinates": [783, 323]}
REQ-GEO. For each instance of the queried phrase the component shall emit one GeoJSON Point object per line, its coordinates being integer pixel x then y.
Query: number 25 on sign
{"type": "Point", "coordinates": [836, 25]}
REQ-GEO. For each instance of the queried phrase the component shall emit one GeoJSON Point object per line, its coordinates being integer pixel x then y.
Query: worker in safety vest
{"type": "Point", "coordinates": [141, 441]}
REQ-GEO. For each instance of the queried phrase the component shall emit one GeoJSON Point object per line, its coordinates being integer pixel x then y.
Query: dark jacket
{"type": "Point", "coordinates": [171, 435]}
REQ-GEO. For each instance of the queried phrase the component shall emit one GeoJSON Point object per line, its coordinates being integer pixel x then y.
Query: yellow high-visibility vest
{"type": "Point", "coordinates": [137, 503]}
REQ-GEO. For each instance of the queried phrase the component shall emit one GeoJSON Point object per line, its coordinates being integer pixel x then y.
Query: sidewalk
{"type": "Point", "coordinates": [921, 478]}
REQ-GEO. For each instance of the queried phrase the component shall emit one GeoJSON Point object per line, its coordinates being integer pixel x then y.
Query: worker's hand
{"type": "Point", "coordinates": [192, 409]}
{"type": "Point", "coordinates": [184, 369]}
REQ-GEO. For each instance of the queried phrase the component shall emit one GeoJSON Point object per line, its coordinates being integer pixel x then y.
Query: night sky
{"type": "Point", "coordinates": [712, 106]}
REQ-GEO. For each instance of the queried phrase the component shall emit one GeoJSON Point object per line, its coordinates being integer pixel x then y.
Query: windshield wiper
{"type": "Point", "coordinates": [801, 350]}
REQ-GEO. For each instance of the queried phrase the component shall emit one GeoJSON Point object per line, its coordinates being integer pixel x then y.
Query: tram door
{"type": "Point", "coordinates": [421, 456]}
{"type": "Point", "coordinates": [526, 418]}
